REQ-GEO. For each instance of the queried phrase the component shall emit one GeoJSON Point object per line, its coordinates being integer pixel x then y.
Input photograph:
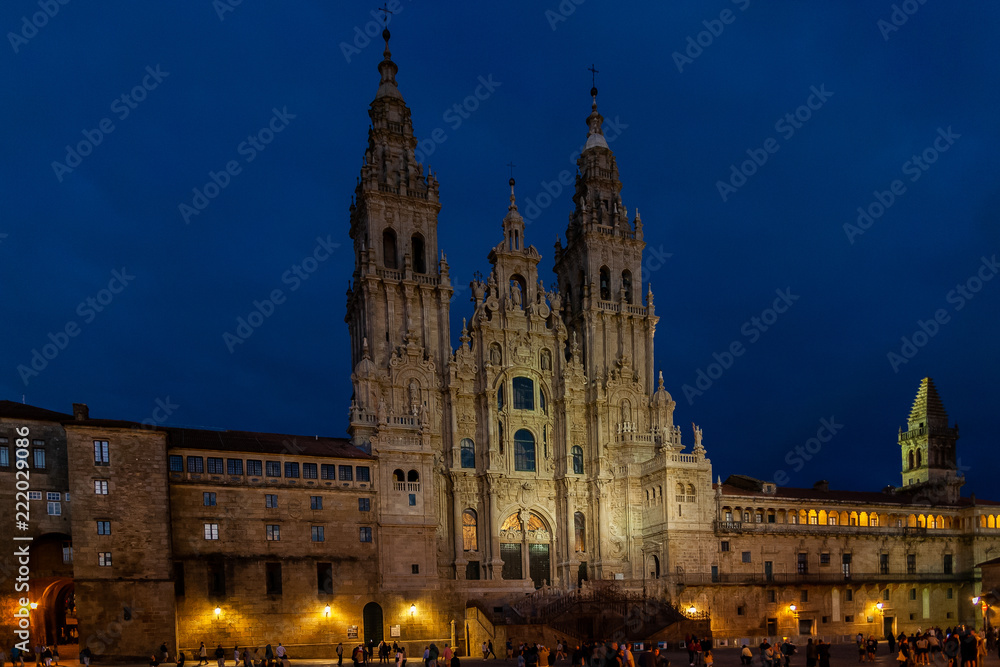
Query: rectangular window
{"type": "Point", "coordinates": [772, 596]}
{"type": "Point", "coordinates": [104, 559]}
{"type": "Point", "coordinates": [413, 500]}
{"type": "Point", "coordinates": [292, 470]}
{"type": "Point", "coordinates": [725, 545]}
{"type": "Point", "coordinates": [741, 610]}
{"type": "Point", "coordinates": [848, 618]}
{"type": "Point", "coordinates": [52, 495]}
{"type": "Point", "coordinates": [746, 556]}
{"type": "Point", "coordinates": [309, 471]}
{"type": "Point", "coordinates": [101, 487]}
{"type": "Point", "coordinates": [315, 502]}
{"type": "Point", "coordinates": [849, 595]}
{"type": "Point", "coordinates": [363, 473]}
{"type": "Point", "coordinates": [39, 458]}
{"type": "Point", "coordinates": [103, 527]}
{"type": "Point", "coordinates": [4, 455]}
{"type": "Point", "coordinates": [317, 534]}
{"type": "Point", "coordinates": [328, 471]}
{"type": "Point", "coordinates": [196, 464]}
{"type": "Point", "coordinates": [274, 468]}
{"type": "Point", "coordinates": [364, 504]}
{"type": "Point", "coordinates": [949, 564]}
{"type": "Point", "coordinates": [913, 593]}
{"type": "Point", "coordinates": [950, 593]}
{"type": "Point", "coordinates": [234, 466]}
{"type": "Point", "coordinates": [366, 534]}
{"type": "Point", "coordinates": [414, 569]}
{"type": "Point", "coordinates": [34, 495]}
{"type": "Point", "coordinates": [176, 463]}
{"type": "Point", "coordinates": [802, 563]}
{"type": "Point", "coordinates": [273, 532]}
{"type": "Point", "coordinates": [883, 563]}
{"type": "Point", "coordinates": [216, 579]}
{"type": "Point", "coordinates": [911, 563]}
{"type": "Point", "coordinates": [346, 473]}
{"type": "Point", "coordinates": [211, 531]}
{"type": "Point", "coordinates": [178, 579]}
{"type": "Point", "coordinates": [324, 578]}
{"type": "Point", "coordinates": [524, 393]}
{"type": "Point", "coordinates": [101, 456]}
{"type": "Point", "coordinates": [270, 500]}
{"type": "Point", "coordinates": [272, 576]}
{"type": "Point", "coordinates": [885, 593]}
{"type": "Point", "coordinates": [824, 559]}
{"type": "Point", "coordinates": [715, 574]}
{"type": "Point", "coordinates": [66, 496]}
{"type": "Point", "coordinates": [55, 509]}
{"type": "Point", "coordinates": [804, 595]}
{"type": "Point", "coordinates": [255, 468]}
{"type": "Point", "coordinates": [208, 498]}
{"type": "Point", "coordinates": [215, 466]}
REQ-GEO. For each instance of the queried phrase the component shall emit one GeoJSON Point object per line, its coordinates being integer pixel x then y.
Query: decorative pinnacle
{"type": "Point", "coordinates": [593, 82]}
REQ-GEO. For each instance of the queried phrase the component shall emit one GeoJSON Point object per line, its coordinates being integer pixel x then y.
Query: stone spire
{"type": "Point", "coordinates": [927, 406]}
{"type": "Point", "coordinates": [387, 68]}
{"type": "Point", "coordinates": [927, 446]}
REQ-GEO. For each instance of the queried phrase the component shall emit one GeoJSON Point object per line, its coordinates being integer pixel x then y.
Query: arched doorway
{"type": "Point", "coordinates": [525, 547]}
{"type": "Point", "coordinates": [372, 617]}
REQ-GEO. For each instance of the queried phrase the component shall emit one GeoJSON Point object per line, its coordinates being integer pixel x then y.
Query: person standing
{"type": "Point", "coordinates": [86, 653]}
{"type": "Point", "coordinates": [823, 653]}
{"type": "Point", "coordinates": [340, 654]}
{"type": "Point", "coordinates": [202, 655]}
{"type": "Point", "coordinates": [489, 649]}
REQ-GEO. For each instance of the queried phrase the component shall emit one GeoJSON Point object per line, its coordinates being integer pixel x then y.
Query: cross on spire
{"type": "Point", "coordinates": [593, 75]}
{"type": "Point", "coordinates": [385, 13]}
{"type": "Point", "coordinates": [511, 165]}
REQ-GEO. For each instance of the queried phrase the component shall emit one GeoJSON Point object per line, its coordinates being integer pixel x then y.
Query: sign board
{"type": "Point", "coordinates": [352, 632]}
{"type": "Point", "coordinates": [393, 630]}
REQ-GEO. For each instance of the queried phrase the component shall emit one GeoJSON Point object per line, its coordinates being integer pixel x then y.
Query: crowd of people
{"type": "Point", "coordinates": [952, 647]}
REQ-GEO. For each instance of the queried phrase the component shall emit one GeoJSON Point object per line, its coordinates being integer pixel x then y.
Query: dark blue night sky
{"type": "Point", "coordinates": [747, 149]}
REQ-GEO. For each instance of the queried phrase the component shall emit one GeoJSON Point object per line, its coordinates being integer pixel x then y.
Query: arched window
{"type": "Point", "coordinates": [468, 453]}
{"type": "Point", "coordinates": [397, 475]}
{"type": "Point", "coordinates": [577, 454]}
{"type": "Point", "coordinates": [911, 460]}
{"type": "Point", "coordinates": [918, 458]}
{"type": "Point", "coordinates": [605, 284]}
{"type": "Point", "coordinates": [413, 476]}
{"type": "Point", "coordinates": [627, 285]}
{"type": "Point", "coordinates": [680, 492]}
{"type": "Point", "coordinates": [655, 569]}
{"type": "Point", "coordinates": [580, 532]}
{"type": "Point", "coordinates": [690, 494]}
{"type": "Point", "coordinates": [500, 397]}
{"type": "Point", "coordinates": [524, 393]}
{"type": "Point", "coordinates": [541, 402]}
{"type": "Point", "coordinates": [470, 538]}
{"type": "Point", "coordinates": [500, 435]}
{"type": "Point", "coordinates": [389, 249]}
{"type": "Point", "coordinates": [524, 451]}
{"type": "Point", "coordinates": [417, 248]}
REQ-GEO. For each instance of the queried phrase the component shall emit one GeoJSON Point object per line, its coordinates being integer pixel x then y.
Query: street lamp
{"type": "Point", "coordinates": [975, 600]}
{"type": "Point", "coordinates": [218, 610]}
{"type": "Point", "coordinates": [326, 610]}
{"type": "Point", "coordinates": [691, 610]}
{"type": "Point", "coordinates": [879, 606]}
{"type": "Point", "coordinates": [413, 609]}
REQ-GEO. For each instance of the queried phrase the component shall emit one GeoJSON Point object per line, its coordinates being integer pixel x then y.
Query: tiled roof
{"type": "Point", "coordinates": [264, 443]}
{"type": "Point", "coordinates": [12, 410]}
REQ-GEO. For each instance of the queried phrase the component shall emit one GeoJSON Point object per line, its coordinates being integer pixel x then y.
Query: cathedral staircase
{"type": "Point", "coordinates": [602, 610]}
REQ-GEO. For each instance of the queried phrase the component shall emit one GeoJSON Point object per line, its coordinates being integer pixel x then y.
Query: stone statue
{"type": "Point", "coordinates": [515, 294]}
{"type": "Point", "coordinates": [697, 435]}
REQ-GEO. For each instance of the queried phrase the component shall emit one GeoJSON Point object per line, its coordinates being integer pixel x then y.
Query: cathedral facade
{"type": "Point", "coordinates": [519, 481]}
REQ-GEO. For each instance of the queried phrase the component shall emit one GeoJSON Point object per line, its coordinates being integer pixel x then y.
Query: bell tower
{"type": "Point", "coordinates": [600, 269]}
{"type": "Point", "coordinates": [927, 445]}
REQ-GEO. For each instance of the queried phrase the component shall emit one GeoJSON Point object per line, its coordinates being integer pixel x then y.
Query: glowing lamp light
{"type": "Point", "coordinates": [879, 606]}
{"type": "Point", "coordinates": [975, 600]}
{"type": "Point", "coordinates": [692, 610]}
{"type": "Point", "coordinates": [218, 610]}
{"type": "Point", "coordinates": [326, 610]}
{"type": "Point", "coordinates": [792, 607]}
{"type": "Point", "coordinates": [413, 609]}
{"type": "Point", "coordinates": [34, 605]}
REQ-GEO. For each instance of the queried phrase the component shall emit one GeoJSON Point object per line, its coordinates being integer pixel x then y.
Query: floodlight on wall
{"type": "Point", "coordinates": [692, 610]}
{"type": "Point", "coordinates": [413, 609]}
{"type": "Point", "coordinates": [879, 606]}
{"type": "Point", "coordinates": [218, 610]}
{"type": "Point", "coordinates": [975, 600]}
{"type": "Point", "coordinates": [326, 610]}
{"type": "Point", "coordinates": [792, 608]}
{"type": "Point", "coordinates": [34, 605]}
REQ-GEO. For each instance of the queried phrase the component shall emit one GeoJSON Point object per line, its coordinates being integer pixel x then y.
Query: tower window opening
{"type": "Point", "coordinates": [605, 284]}
{"type": "Point", "coordinates": [417, 248]}
{"type": "Point", "coordinates": [627, 285]}
{"type": "Point", "coordinates": [389, 249]}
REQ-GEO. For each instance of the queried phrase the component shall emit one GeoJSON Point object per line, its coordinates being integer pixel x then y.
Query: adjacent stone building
{"type": "Point", "coordinates": [531, 475]}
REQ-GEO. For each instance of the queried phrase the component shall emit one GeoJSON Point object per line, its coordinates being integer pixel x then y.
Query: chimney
{"type": "Point", "coordinates": [80, 412]}
{"type": "Point", "coordinates": [822, 485]}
